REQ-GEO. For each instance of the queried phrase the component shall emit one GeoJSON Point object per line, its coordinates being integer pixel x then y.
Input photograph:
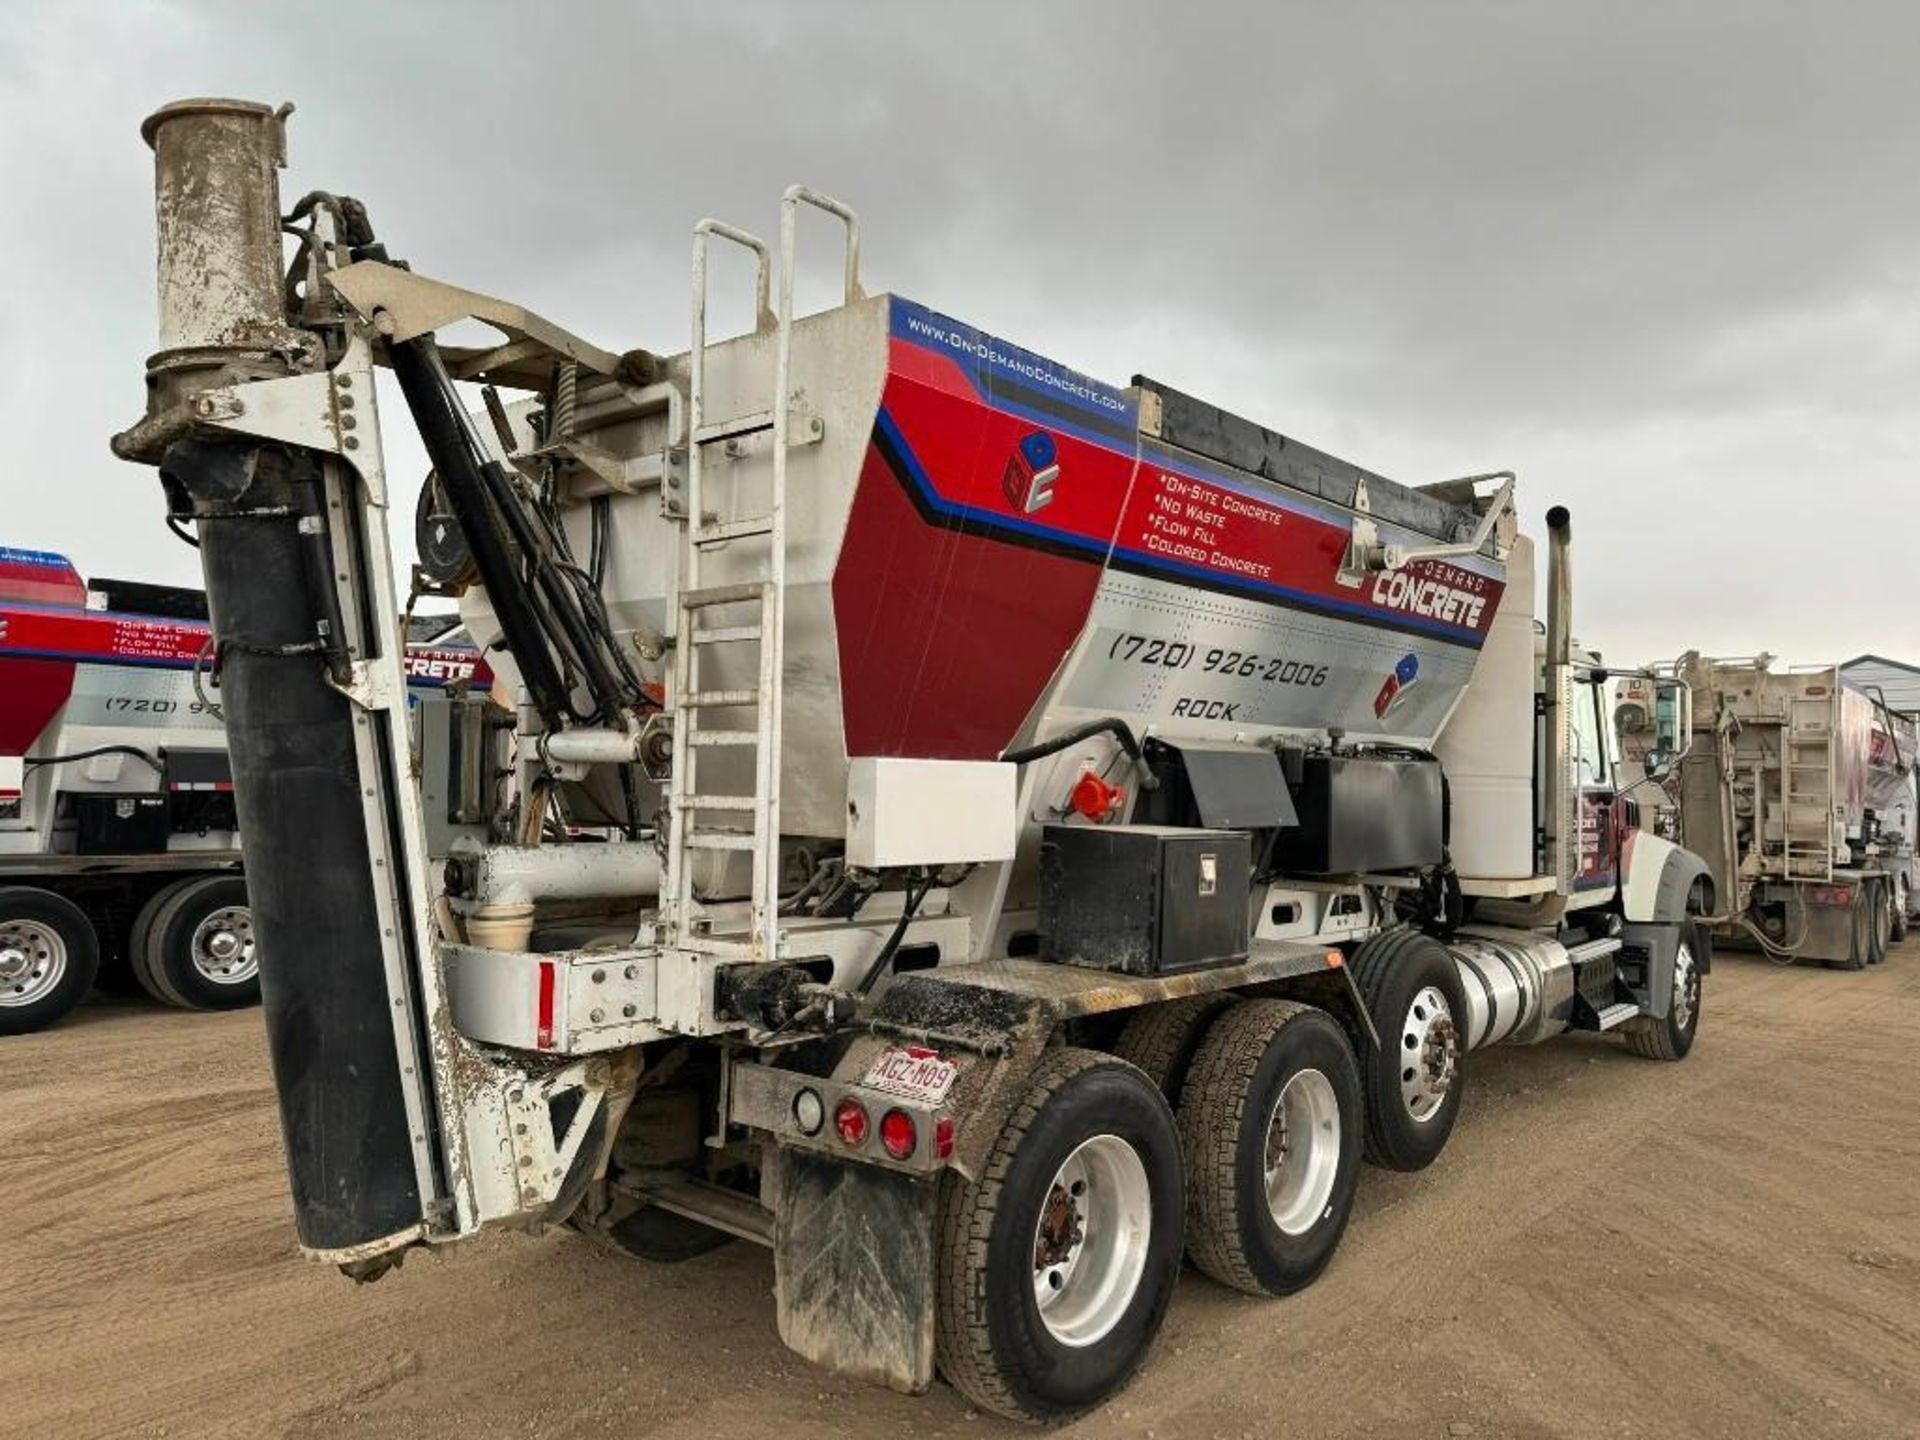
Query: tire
{"type": "Point", "coordinates": [1088, 1121]}
{"type": "Point", "coordinates": [1671, 1036]}
{"type": "Point", "coordinates": [1267, 1065]}
{"type": "Point", "coordinates": [1880, 901]}
{"type": "Point", "coordinates": [181, 939]}
{"type": "Point", "coordinates": [1900, 897]}
{"type": "Point", "coordinates": [139, 947]}
{"type": "Point", "coordinates": [1161, 1039]}
{"type": "Point", "coordinates": [1415, 1078]}
{"type": "Point", "coordinates": [49, 955]}
{"type": "Point", "coordinates": [1860, 933]}
{"type": "Point", "coordinates": [664, 1238]}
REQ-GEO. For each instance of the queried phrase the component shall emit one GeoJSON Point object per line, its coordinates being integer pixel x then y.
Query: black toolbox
{"type": "Point", "coordinates": [1144, 899]}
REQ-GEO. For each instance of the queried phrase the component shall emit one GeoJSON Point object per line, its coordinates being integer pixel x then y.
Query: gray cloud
{"type": "Point", "coordinates": [1659, 259]}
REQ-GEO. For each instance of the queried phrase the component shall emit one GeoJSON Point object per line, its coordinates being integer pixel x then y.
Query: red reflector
{"type": "Point", "coordinates": [897, 1134]}
{"type": "Point", "coordinates": [943, 1138]}
{"type": "Point", "coordinates": [543, 1025]}
{"type": "Point", "coordinates": [850, 1119]}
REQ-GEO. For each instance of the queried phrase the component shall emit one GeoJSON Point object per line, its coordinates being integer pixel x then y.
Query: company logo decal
{"type": "Point", "coordinates": [1448, 594]}
{"type": "Point", "coordinates": [1405, 675]}
{"type": "Point", "coordinates": [1032, 470]}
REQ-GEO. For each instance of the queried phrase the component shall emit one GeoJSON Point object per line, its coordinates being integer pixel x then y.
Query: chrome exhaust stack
{"type": "Point", "coordinates": [1559, 796]}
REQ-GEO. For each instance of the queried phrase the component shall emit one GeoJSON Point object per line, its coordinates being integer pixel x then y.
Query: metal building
{"type": "Point", "coordinates": [1897, 682]}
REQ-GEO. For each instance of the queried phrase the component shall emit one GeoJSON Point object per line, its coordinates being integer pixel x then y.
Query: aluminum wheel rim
{"type": "Point", "coordinates": [1686, 987]}
{"type": "Point", "coordinates": [1303, 1151]}
{"type": "Point", "coordinates": [33, 961]}
{"type": "Point", "coordinates": [1429, 1054]}
{"type": "Point", "coordinates": [1090, 1242]}
{"type": "Point", "coordinates": [222, 946]}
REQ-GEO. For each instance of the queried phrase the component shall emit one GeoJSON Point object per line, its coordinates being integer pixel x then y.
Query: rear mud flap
{"type": "Point", "coordinates": [853, 1268]}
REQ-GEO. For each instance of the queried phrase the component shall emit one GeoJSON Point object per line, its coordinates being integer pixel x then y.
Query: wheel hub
{"type": "Point", "coordinates": [223, 947]}
{"type": "Point", "coordinates": [33, 961]}
{"type": "Point", "coordinates": [1429, 1054]}
{"type": "Point", "coordinates": [1090, 1241]}
{"type": "Point", "coordinates": [1061, 1230]}
{"type": "Point", "coordinates": [1686, 987]}
{"type": "Point", "coordinates": [1303, 1151]}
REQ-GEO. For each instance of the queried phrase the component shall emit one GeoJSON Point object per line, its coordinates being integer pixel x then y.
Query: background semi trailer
{"type": "Point", "coordinates": [118, 839]}
{"type": "Point", "coordinates": [1038, 828]}
{"type": "Point", "coordinates": [1795, 787]}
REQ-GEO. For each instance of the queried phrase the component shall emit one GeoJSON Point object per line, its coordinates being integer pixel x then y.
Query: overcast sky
{"type": "Point", "coordinates": [1662, 260]}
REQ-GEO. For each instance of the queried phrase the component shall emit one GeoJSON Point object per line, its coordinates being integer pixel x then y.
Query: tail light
{"type": "Point", "coordinates": [808, 1112]}
{"type": "Point", "coordinates": [898, 1135]}
{"type": "Point", "coordinates": [850, 1119]}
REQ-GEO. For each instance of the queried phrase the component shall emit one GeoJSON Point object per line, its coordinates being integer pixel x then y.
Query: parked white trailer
{"type": "Point", "coordinates": [1795, 787]}
{"type": "Point", "coordinates": [1059, 826]}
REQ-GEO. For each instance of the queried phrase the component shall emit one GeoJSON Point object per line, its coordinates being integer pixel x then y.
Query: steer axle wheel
{"type": "Point", "coordinates": [48, 956]}
{"type": "Point", "coordinates": [192, 945]}
{"type": "Point", "coordinates": [1054, 1270]}
{"type": "Point", "coordinates": [1670, 1036]}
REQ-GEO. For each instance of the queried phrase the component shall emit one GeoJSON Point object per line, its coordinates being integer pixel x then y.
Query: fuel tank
{"type": "Point", "coordinates": [985, 547]}
{"type": "Point", "coordinates": [1519, 985]}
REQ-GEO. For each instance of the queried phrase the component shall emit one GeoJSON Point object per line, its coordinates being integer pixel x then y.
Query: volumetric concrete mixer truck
{"type": "Point", "coordinates": [117, 833]}
{"type": "Point", "coordinates": [1061, 826]}
{"type": "Point", "coordinates": [119, 852]}
{"type": "Point", "coordinates": [1797, 789]}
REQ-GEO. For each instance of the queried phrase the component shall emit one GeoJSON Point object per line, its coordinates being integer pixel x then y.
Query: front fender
{"type": "Point", "coordinates": [1657, 877]}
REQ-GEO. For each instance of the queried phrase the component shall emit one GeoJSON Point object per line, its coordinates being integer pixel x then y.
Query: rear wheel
{"type": "Point", "coordinates": [1899, 895]}
{"type": "Point", "coordinates": [663, 1237]}
{"type": "Point", "coordinates": [1161, 1039]}
{"type": "Point", "coordinates": [1269, 1129]}
{"type": "Point", "coordinates": [48, 956]}
{"type": "Point", "coordinates": [1859, 934]}
{"type": "Point", "coordinates": [193, 945]}
{"type": "Point", "coordinates": [1880, 901]}
{"type": "Point", "coordinates": [1415, 1077]}
{"type": "Point", "coordinates": [1056, 1267]}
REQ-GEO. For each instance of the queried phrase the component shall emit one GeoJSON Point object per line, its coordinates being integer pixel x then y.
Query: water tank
{"type": "Point", "coordinates": [1487, 747]}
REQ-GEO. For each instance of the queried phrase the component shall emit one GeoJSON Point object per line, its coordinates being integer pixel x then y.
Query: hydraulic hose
{"type": "Point", "coordinates": [32, 761]}
{"type": "Point", "coordinates": [1112, 725]}
{"type": "Point", "coordinates": [416, 364]}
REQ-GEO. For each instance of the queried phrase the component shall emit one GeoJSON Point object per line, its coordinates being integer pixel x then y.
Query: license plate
{"type": "Point", "coordinates": [911, 1073]}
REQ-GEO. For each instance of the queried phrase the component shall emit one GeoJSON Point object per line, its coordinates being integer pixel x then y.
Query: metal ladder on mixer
{"type": "Point", "coordinates": [692, 824]}
{"type": "Point", "coordinates": [1806, 790]}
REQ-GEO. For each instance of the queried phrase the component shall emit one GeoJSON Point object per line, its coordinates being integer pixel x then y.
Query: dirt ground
{"type": "Point", "coordinates": [1610, 1247]}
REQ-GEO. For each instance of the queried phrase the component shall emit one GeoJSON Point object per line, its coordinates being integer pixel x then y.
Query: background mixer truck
{"type": "Point", "coordinates": [118, 839]}
{"type": "Point", "coordinates": [117, 827]}
{"type": "Point", "coordinates": [1794, 786]}
{"type": "Point", "coordinates": [1059, 826]}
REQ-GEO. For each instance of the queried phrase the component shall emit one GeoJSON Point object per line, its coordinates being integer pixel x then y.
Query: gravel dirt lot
{"type": "Point", "coordinates": [1610, 1247]}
